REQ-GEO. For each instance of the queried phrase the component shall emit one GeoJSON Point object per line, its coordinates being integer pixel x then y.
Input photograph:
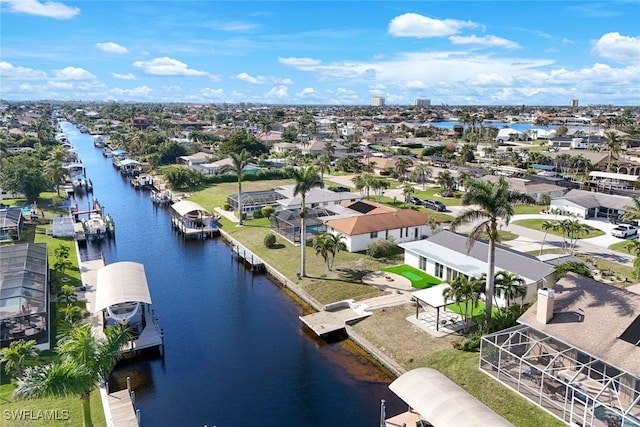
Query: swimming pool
{"type": "Point", "coordinates": [603, 412]}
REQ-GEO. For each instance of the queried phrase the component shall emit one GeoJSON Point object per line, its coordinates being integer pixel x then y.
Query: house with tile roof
{"type": "Point", "coordinates": [575, 353]}
{"type": "Point", "coordinates": [359, 231]}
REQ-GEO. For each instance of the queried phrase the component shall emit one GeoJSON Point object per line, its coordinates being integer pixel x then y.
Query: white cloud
{"type": "Point", "coordinates": [111, 47]}
{"type": "Point", "coordinates": [73, 73]}
{"type": "Point", "coordinates": [414, 25]}
{"type": "Point", "coordinates": [258, 80]}
{"type": "Point", "coordinates": [489, 40]}
{"type": "Point", "coordinates": [49, 9]}
{"type": "Point", "coordinates": [279, 92]}
{"type": "Point", "coordinates": [166, 66]}
{"type": "Point", "coordinates": [140, 91]}
{"type": "Point", "coordinates": [210, 93]}
{"type": "Point", "coordinates": [9, 71]}
{"type": "Point", "coordinates": [232, 26]}
{"type": "Point", "coordinates": [299, 62]}
{"type": "Point", "coordinates": [306, 92]}
{"type": "Point", "coordinates": [618, 47]}
{"type": "Point", "coordinates": [60, 85]}
{"type": "Point", "coordinates": [119, 76]}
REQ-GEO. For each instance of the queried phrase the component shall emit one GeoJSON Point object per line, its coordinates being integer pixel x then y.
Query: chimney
{"type": "Point", "coordinates": [545, 305]}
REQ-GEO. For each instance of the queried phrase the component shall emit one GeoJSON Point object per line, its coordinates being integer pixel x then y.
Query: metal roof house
{"type": "Point", "coordinates": [444, 255]}
{"type": "Point", "coordinates": [576, 353]}
{"type": "Point", "coordinates": [589, 204]}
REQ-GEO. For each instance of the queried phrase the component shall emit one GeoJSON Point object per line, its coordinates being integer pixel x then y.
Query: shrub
{"type": "Point", "coordinates": [267, 211]}
{"type": "Point", "coordinates": [381, 248]}
{"type": "Point", "coordinates": [471, 342]}
{"type": "Point", "coordinates": [270, 240]}
{"type": "Point", "coordinates": [257, 214]}
{"type": "Point", "coordinates": [226, 207]}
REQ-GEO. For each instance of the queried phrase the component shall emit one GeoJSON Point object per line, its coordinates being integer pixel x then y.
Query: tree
{"type": "Point", "coordinates": [612, 145]}
{"type": "Point", "coordinates": [511, 286]}
{"type": "Point", "coordinates": [402, 166]}
{"type": "Point", "coordinates": [62, 259]}
{"type": "Point", "coordinates": [238, 163]}
{"type": "Point", "coordinates": [407, 191]}
{"type": "Point", "coordinates": [546, 226]}
{"type": "Point", "coordinates": [18, 356]}
{"type": "Point", "coordinates": [55, 171]}
{"type": "Point", "coordinates": [67, 294]}
{"type": "Point", "coordinates": [24, 173]}
{"type": "Point", "coordinates": [363, 182]}
{"type": "Point", "coordinates": [422, 173]}
{"type": "Point", "coordinates": [633, 247]}
{"type": "Point", "coordinates": [378, 185]}
{"type": "Point", "coordinates": [336, 244]}
{"type": "Point", "coordinates": [632, 212]}
{"type": "Point", "coordinates": [85, 361]}
{"type": "Point", "coordinates": [492, 201]}
{"type": "Point", "coordinates": [305, 181]}
{"type": "Point", "coordinates": [324, 165]}
{"type": "Point", "coordinates": [446, 182]}
{"type": "Point", "coordinates": [464, 290]}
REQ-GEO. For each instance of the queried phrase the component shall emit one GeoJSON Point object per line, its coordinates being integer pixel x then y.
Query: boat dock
{"type": "Point", "coordinates": [203, 231]}
{"type": "Point", "coordinates": [119, 407]}
{"type": "Point", "coordinates": [247, 257]}
{"type": "Point", "coordinates": [335, 317]}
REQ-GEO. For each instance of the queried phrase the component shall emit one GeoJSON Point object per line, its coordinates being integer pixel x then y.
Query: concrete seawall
{"type": "Point", "coordinates": [375, 353]}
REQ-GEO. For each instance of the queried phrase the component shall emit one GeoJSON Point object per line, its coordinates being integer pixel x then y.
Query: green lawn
{"type": "Point", "coordinates": [536, 224]}
{"type": "Point", "coordinates": [476, 311]}
{"type": "Point", "coordinates": [528, 209]}
{"type": "Point", "coordinates": [419, 279]}
{"type": "Point", "coordinates": [620, 246]}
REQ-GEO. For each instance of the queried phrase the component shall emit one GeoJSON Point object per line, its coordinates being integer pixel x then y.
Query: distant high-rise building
{"type": "Point", "coordinates": [421, 102]}
{"type": "Point", "coordinates": [574, 103]}
{"type": "Point", "coordinates": [377, 101]}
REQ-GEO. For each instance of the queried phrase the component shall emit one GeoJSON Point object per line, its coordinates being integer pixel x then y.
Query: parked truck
{"type": "Point", "coordinates": [624, 230]}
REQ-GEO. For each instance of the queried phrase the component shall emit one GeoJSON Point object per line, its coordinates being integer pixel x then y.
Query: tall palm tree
{"type": "Point", "coordinates": [492, 202]}
{"type": "Point", "coordinates": [85, 361]}
{"type": "Point", "coordinates": [407, 191]}
{"type": "Point", "coordinates": [632, 212]}
{"type": "Point", "coordinates": [305, 181]}
{"type": "Point", "coordinates": [546, 226]}
{"type": "Point", "coordinates": [402, 166]}
{"type": "Point", "coordinates": [324, 164]}
{"type": "Point", "coordinates": [613, 145]}
{"type": "Point", "coordinates": [509, 285]}
{"type": "Point", "coordinates": [328, 245]}
{"type": "Point", "coordinates": [446, 182]}
{"type": "Point", "coordinates": [54, 166]}
{"type": "Point", "coordinates": [238, 163]}
{"type": "Point", "coordinates": [422, 172]}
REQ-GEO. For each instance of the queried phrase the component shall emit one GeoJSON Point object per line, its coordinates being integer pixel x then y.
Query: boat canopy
{"type": "Point", "coordinates": [442, 402]}
{"type": "Point", "coordinates": [127, 162]}
{"type": "Point", "coordinates": [118, 152]}
{"type": "Point", "coordinates": [121, 282]}
{"type": "Point", "coordinates": [185, 207]}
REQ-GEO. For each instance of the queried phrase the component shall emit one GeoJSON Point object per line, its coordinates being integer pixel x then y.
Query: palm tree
{"type": "Point", "coordinates": [510, 285]}
{"type": "Point", "coordinates": [238, 163]}
{"type": "Point", "coordinates": [632, 212]}
{"type": "Point", "coordinates": [612, 145]}
{"type": "Point", "coordinates": [54, 168]}
{"type": "Point", "coordinates": [464, 290]}
{"type": "Point", "coordinates": [493, 202]}
{"type": "Point", "coordinates": [67, 294]}
{"type": "Point", "coordinates": [18, 356]}
{"type": "Point", "coordinates": [324, 164]}
{"type": "Point", "coordinates": [378, 185]}
{"type": "Point", "coordinates": [446, 182]}
{"type": "Point", "coordinates": [336, 244]}
{"type": "Point", "coordinates": [422, 172]}
{"type": "Point", "coordinates": [305, 181]}
{"type": "Point", "coordinates": [402, 166]}
{"type": "Point", "coordinates": [407, 191]}
{"type": "Point", "coordinates": [546, 226]}
{"type": "Point", "coordinates": [329, 148]}
{"type": "Point", "coordinates": [363, 182]}
{"type": "Point", "coordinates": [85, 361]}
{"type": "Point", "coordinates": [328, 245]}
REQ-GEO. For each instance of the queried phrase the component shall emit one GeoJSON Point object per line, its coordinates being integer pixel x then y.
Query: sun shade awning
{"type": "Point", "coordinates": [442, 402]}
{"type": "Point", "coordinates": [433, 295]}
{"type": "Point", "coordinates": [121, 282]}
{"type": "Point", "coordinates": [187, 206]}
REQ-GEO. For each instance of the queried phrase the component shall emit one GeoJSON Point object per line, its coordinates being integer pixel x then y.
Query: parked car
{"type": "Point", "coordinates": [416, 201]}
{"type": "Point", "coordinates": [624, 230]}
{"type": "Point", "coordinates": [341, 189]}
{"type": "Point", "coordinates": [436, 205]}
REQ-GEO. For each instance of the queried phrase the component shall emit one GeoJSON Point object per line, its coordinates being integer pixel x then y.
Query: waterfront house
{"type": "Point", "coordinates": [24, 294]}
{"type": "Point", "coordinates": [316, 197]}
{"type": "Point", "coordinates": [574, 353]}
{"type": "Point", "coordinates": [359, 231]}
{"type": "Point", "coordinates": [444, 255]}
{"type": "Point", "coordinates": [589, 204]}
{"type": "Point", "coordinates": [532, 188]}
{"type": "Point", "coordinates": [194, 159]}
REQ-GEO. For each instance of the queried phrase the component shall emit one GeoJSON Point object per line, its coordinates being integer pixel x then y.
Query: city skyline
{"type": "Point", "coordinates": [320, 52]}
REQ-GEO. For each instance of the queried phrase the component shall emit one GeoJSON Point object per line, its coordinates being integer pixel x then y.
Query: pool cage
{"type": "Point", "coordinates": [255, 200]}
{"type": "Point", "coordinates": [575, 387]}
{"type": "Point", "coordinates": [287, 223]}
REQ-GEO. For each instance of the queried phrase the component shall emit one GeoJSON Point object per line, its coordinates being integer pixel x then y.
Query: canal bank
{"type": "Point", "coordinates": [306, 300]}
{"type": "Point", "coordinates": [236, 351]}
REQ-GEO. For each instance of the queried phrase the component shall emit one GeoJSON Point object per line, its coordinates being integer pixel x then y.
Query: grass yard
{"type": "Point", "coordinates": [476, 311]}
{"type": "Point", "coordinates": [419, 279]}
{"type": "Point", "coordinates": [528, 209]}
{"type": "Point", "coordinates": [434, 194]}
{"type": "Point", "coordinates": [620, 246]}
{"type": "Point", "coordinates": [536, 224]}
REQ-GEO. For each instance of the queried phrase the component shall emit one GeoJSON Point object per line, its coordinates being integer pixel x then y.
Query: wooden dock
{"type": "Point", "coordinates": [203, 232]}
{"type": "Point", "coordinates": [335, 317]}
{"type": "Point", "coordinates": [119, 407]}
{"type": "Point", "coordinates": [247, 257]}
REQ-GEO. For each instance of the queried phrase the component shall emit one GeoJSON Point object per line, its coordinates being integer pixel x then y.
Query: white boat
{"type": "Point", "coordinates": [162, 197]}
{"type": "Point", "coordinates": [142, 182]}
{"type": "Point", "coordinates": [95, 226]}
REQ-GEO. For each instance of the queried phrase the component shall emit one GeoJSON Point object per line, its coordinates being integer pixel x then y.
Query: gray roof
{"type": "Point", "coordinates": [591, 316]}
{"type": "Point", "coordinates": [507, 259]}
{"type": "Point", "coordinates": [590, 199]}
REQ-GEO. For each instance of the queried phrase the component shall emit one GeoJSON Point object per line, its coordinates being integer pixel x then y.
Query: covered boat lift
{"type": "Point", "coordinates": [193, 221]}
{"type": "Point", "coordinates": [440, 402]}
{"type": "Point", "coordinates": [122, 296]}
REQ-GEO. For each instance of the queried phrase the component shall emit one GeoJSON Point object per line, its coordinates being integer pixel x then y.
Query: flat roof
{"type": "Point", "coordinates": [121, 282]}
{"type": "Point", "coordinates": [611, 175]}
{"type": "Point", "coordinates": [433, 295]}
{"type": "Point", "coordinates": [442, 402]}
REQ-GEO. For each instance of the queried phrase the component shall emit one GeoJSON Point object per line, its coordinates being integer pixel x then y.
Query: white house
{"type": "Point", "coordinates": [316, 197]}
{"type": "Point", "coordinates": [509, 134]}
{"type": "Point", "coordinates": [588, 204]}
{"type": "Point", "coordinates": [404, 225]}
{"type": "Point", "coordinates": [444, 255]}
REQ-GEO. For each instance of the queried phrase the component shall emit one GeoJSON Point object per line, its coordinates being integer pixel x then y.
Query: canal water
{"type": "Point", "coordinates": [236, 353]}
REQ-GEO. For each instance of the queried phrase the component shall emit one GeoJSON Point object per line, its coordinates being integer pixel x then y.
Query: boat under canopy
{"type": "Point", "coordinates": [121, 287]}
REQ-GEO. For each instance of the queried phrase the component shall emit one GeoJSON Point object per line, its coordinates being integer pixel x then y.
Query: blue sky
{"type": "Point", "coordinates": [322, 52]}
